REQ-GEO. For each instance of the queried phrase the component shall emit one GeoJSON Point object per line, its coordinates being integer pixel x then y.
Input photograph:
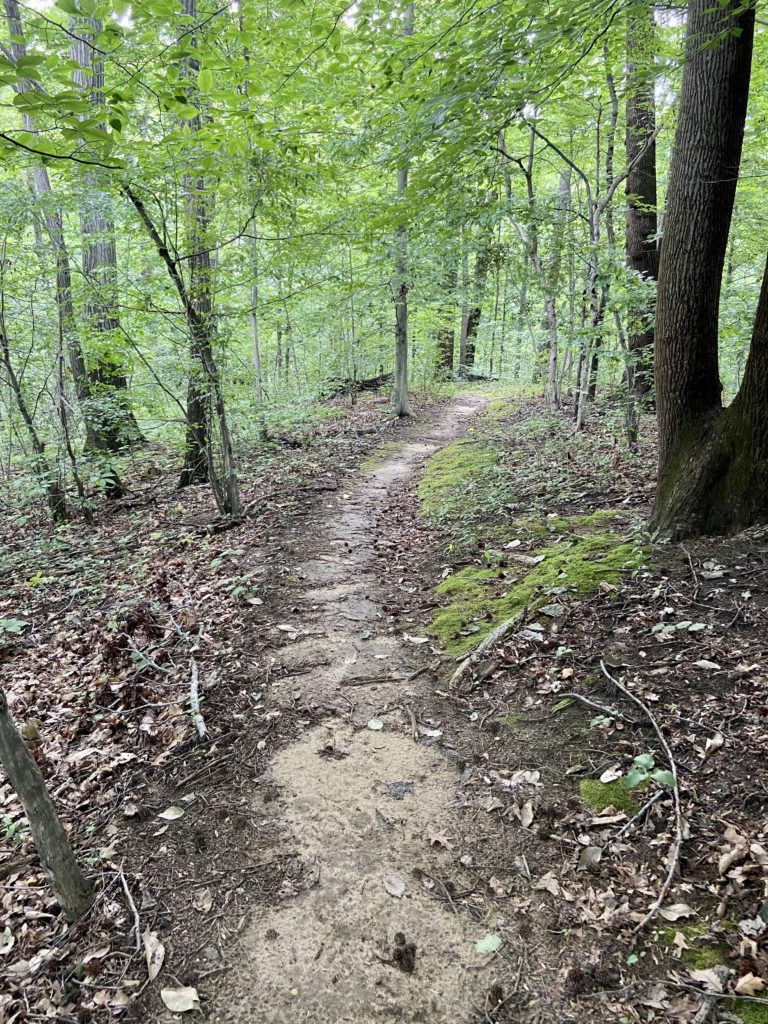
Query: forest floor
{"type": "Point", "coordinates": [375, 829]}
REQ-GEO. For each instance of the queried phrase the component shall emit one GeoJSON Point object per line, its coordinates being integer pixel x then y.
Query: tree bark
{"type": "Point", "coordinates": [475, 312]}
{"type": "Point", "coordinates": [114, 425]}
{"type": "Point", "coordinates": [446, 333]}
{"type": "Point", "coordinates": [712, 464]}
{"type": "Point", "coordinates": [72, 889]}
{"type": "Point", "coordinates": [641, 224]}
{"type": "Point", "coordinates": [401, 400]}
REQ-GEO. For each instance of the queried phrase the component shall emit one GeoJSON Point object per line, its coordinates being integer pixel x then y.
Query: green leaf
{"type": "Point", "coordinates": [645, 761]}
{"type": "Point", "coordinates": [489, 944]}
{"type": "Point", "coordinates": [12, 625]}
{"type": "Point", "coordinates": [663, 777]}
{"type": "Point", "coordinates": [205, 80]}
{"type": "Point", "coordinates": [635, 778]}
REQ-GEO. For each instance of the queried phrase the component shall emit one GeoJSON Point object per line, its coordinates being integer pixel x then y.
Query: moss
{"type": "Point", "coordinates": [451, 476]}
{"type": "Point", "coordinates": [750, 1013]}
{"type": "Point", "coordinates": [484, 598]}
{"type": "Point", "coordinates": [539, 529]}
{"type": "Point", "coordinates": [600, 795]}
{"type": "Point", "coordinates": [498, 409]}
{"type": "Point", "coordinates": [379, 456]}
{"type": "Point", "coordinates": [511, 721]}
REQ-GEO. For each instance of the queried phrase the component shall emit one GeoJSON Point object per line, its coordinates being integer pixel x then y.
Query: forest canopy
{"type": "Point", "coordinates": [214, 214]}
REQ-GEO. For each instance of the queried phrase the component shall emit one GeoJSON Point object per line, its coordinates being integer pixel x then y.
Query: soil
{"type": "Point", "coordinates": [359, 841]}
{"type": "Point", "coordinates": [369, 806]}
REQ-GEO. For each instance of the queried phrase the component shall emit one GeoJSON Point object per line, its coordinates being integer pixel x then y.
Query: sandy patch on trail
{"type": "Point", "coordinates": [326, 955]}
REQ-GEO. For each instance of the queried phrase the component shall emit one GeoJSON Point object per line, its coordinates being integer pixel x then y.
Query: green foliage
{"type": "Point", "coordinates": [600, 795]}
{"type": "Point", "coordinates": [644, 771]}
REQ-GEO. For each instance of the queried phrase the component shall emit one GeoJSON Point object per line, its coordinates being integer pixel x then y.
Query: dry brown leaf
{"type": "Point", "coordinates": [154, 951]}
{"type": "Point", "coordinates": [749, 985]}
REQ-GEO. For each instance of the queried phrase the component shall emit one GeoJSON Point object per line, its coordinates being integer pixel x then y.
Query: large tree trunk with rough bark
{"type": "Point", "coordinates": [713, 463]}
{"type": "Point", "coordinates": [641, 225]}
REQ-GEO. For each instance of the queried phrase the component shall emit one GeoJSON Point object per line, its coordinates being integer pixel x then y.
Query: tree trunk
{"type": "Point", "coordinates": [474, 312]}
{"type": "Point", "coordinates": [54, 225]}
{"type": "Point", "coordinates": [205, 398]}
{"type": "Point", "coordinates": [712, 464]}
{"type": "Point", "coordinates": [641, 225]}
{"type": "Point", "coordinates": [73, 891]}
{"type": "Point", "coordinates": [114, 424]}
{"type": "Point", "coordinates": [401, 400]}
{"type": "Point", "coordinates": [446, 333]}
{"type": "Point", "coordinates": [48, 477]}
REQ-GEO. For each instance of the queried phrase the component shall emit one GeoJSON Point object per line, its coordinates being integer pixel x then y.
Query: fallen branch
{"type": "Point", "coordinates": [136, 919]}
{"type": "Point", "coordinates": [641, 813]}
{"type": "Point", "coordinates": [609, 712]}
{"type": "Point", "coordinates": [194, 701]}
{"type": "Point", "coordinates": [494, 637]}
{"type": "Point", "coordinates": [674, 853]}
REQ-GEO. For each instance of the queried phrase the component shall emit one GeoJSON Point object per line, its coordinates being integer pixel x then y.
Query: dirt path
{"type": "Point", "coordinates": [361, 937]}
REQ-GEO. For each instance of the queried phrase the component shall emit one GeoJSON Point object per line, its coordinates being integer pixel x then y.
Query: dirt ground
{"type": "Point", "coordinates": [360, 841]}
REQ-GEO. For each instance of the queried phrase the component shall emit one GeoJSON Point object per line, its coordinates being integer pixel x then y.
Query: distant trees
{"type": "Point", "coordinates": [197, 247]}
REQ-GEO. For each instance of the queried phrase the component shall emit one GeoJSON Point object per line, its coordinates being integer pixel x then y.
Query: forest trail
{"type": "Point", "coordinates": [366, 802]}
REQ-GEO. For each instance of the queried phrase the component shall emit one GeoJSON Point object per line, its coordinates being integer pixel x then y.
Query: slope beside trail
{"type": "Point", "coordinates": [363, 937]}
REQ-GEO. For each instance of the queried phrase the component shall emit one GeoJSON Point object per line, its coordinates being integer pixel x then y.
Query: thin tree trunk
{"type": "Point", "coordinates": [72, 889]}
{"type": "Point", "coordinates": [446, 333]}
{"type": "Point", "coordinates": [49, 479]}
{"type": "Point", "coordinates": [402, 405]}
{"type": "Point", "coordinates": [54, 226]}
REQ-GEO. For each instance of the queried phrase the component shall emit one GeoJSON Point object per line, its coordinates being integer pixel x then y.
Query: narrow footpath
{"type": "Point", "coordinates": [367, 800]}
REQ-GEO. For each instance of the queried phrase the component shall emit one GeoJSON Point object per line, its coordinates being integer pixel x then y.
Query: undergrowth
{"type": "Point", "coordinates": [492, 494]}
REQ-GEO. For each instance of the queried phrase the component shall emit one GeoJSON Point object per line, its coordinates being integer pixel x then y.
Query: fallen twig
{"type": "Point", "coordinates": [136, 919]}
{"type": "Point", "coordinates": [194, 701]}
{"type": "Point", "coordinates": [641, 813]}
{"type": "Point", "coordinates": [610, 712]}
{"type": "Point", "coordinates": [674, 853]}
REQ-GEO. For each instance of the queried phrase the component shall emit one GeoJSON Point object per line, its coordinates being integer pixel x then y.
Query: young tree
{"type": "Point", "coordinates": [713, 463]}
{"type": "Point", "coordinates": [401, 400]}
{"type": "Point", "coordinates": [72, 889]}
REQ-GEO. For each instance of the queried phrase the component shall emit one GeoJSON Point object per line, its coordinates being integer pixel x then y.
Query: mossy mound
{"type": "Point", "coordinates": [540, 529]}
{"type": "Point", "coordinates": [484, 598]}
{"type": "Point", "coordinates": [599, 795]}
{"type": "Point", "coordinates": [452, 476]}
{"type": "Point", "coordinates": [499, 409]}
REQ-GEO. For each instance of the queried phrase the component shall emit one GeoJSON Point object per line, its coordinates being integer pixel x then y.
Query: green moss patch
{"type": "Point", "coordinates": [484, 598]}
{"type": "Point", "coordinates": [750, 1013]}
{"type": "Point", "coordinates": [452, 476]}
{"type": "Point", "coordinates": [599, 795]}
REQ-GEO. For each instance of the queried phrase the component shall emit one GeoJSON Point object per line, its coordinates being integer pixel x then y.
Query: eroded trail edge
{"type": "Point", "coordinates": [367, 801]}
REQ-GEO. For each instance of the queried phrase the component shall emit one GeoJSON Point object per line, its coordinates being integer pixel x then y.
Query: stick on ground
{"type": "Point", "coordinates": [194, 701]}
{"type": "Point", "coordinates": [674, 853]}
